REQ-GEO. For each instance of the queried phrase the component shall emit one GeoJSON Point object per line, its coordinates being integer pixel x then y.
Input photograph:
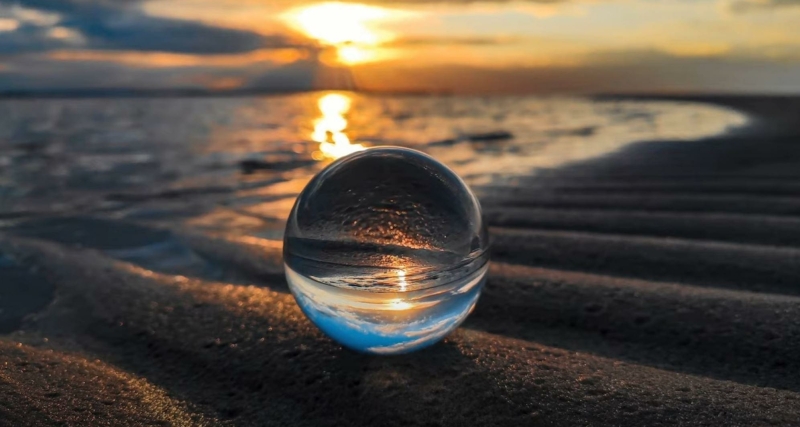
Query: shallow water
{"type": "Point", "coordinates": [92, 172]}
{"type": "Point", "coordinates": [136, 157]}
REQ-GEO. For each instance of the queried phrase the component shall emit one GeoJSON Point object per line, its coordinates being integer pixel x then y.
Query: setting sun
{"type": "Point", "coordinates": [350, 28]}
{"type": "Point", "coordinates": [353, 54]}
{"type": "Point", "coordinates": [338, 23]}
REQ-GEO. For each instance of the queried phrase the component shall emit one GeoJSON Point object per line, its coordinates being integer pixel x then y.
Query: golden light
{"type": "Point", "coordinates": [337, 23]}
{"type": "Point", "coordinates": [401, 276]}
{"type": "Point", "coordinates": [354, 54]}
{"type": "Point", "coordinates": [350, 28]}
{"type": "Point", "coordinates": [334, 104]}
{"type": "Point", "coordinates": [8, 24]}
{"type": "Point", "coordinates": [398, 305]}
{"type": "Point", "coordinates": [329, 129]}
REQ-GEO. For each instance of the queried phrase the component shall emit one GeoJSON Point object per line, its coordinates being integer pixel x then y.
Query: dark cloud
{"type": "Point", "coordinates": [35, 72]}
{"type": "Point", "coordinates": [43, 74]}
{"type": "Point", "coordinates": [122, 25]}
{"type": "Point", "coordinates": [300, 75]}
{"type": "Point", "coordinates": [28, 38]}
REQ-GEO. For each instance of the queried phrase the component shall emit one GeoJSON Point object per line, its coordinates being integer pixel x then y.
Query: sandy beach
{"type": "Point", "coordinates": [653, 285]}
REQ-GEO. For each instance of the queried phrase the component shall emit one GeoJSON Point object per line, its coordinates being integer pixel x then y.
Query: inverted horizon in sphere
{"type": "Point", "coordinates": [386, 250]}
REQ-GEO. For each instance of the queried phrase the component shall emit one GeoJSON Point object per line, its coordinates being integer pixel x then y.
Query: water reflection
{"type": "Point", "coordinates": [329, 129]}
{"type": "Point", "coordinates": [69, 154]}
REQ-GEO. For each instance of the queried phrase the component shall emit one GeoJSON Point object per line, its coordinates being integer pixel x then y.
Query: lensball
{"type": "Point", "coordinates": [386, 251]}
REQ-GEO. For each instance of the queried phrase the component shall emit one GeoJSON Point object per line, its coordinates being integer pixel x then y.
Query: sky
{"type": "Point", "coordinates": [459, 46]}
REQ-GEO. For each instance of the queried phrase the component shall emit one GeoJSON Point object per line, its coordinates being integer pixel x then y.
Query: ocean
{"type": "Point", "coordinates": [188, 159]}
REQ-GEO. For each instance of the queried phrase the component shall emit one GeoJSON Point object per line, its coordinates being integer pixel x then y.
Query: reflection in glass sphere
{"type": "Point", "coordinates": [386, 250]}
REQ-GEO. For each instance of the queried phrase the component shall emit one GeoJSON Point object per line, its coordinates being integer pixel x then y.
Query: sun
{"type": "Point", "coordinates": [339, 23]}
{"type": "Point", "coordinates": [354, 54]}
{"type": "Point", "coordinates": [352, 29]}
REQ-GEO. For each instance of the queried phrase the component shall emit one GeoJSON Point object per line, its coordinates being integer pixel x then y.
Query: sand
{"type": "Point", "coordinates": [654, 286]}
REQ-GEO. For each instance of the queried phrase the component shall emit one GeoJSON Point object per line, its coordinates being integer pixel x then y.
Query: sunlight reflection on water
{"type": "Point", "coordinates": [65, 154]}
{"type": "Point", "coordinates": [329, 130]}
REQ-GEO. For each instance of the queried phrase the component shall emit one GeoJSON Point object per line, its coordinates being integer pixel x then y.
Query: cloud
{"type": "Point", "coordinates": [177, 60]}
{"type": "Point", "coordinates": [461, 2]}
{"type": "Point", "coordinates": [68, 70]}
{"type": "Point", "coordinates": [451, 41]}
{"type": "Point", "coordinates": [755, 5]}
{"type": "Point", "coordinates": [7, 24]}
{"type": "Point", "coordinates": [31, 38]}
{"type": "Point", "coordinates": [392, 3]}
{"type": "Point", "coordinates": [34, 72]}
{"type": "Point", "coordinates": [609, 72]}
{"type": "Point", "coordinates": [122, 25]}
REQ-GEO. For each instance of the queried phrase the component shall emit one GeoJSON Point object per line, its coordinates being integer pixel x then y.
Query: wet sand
{"type": "Point", "coordinates": [654, 286]}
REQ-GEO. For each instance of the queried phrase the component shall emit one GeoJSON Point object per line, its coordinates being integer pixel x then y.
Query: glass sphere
{"type": "Point", "coordinates": [386, 250]}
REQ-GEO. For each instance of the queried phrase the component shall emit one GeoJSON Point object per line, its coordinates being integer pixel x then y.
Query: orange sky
{"type": "Point", "coordinates": [454, 46]}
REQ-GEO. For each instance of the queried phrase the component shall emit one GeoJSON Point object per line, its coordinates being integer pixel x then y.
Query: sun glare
{"type": "Point", "coordinates": [353, 54]}
{"type": "Point", "coordinates": [398, 305]}
{"type": "Point", "coordinates": [337, 23]}
{"type": "Point", "coordinates": [401, 276]}
{"type": "Point", "coordinates": [348, 27]}
{"type": "Point", "coordinates": [329, 129]}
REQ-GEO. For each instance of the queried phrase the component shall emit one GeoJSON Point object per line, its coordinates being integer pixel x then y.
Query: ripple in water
{"type": "Point", "coordinates": [386, 251]}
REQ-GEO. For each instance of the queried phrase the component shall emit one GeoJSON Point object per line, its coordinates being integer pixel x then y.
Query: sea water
{"type": "Point", "coordinates": [386, 250]}
{"type": "Point", "coordinates": [179, 159]}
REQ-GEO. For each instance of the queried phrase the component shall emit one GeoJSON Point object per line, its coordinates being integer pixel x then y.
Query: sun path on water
{"type": "Point", "coordinates": [351, 32]}
{"type": "Point", "coordinates": [329, 128]}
